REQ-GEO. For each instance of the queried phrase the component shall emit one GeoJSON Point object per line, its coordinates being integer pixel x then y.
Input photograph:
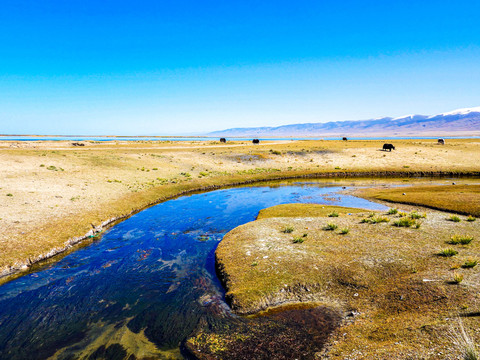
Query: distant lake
{"type": "Point", "coordinates": [179, 138]}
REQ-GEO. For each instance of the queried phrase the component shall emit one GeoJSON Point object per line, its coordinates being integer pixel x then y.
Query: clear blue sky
{"type": "Point", "coordinates": [181, 67]}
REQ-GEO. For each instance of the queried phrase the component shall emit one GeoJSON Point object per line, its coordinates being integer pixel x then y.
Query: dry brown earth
{"type": "Point", "coordinates": [52, 192]}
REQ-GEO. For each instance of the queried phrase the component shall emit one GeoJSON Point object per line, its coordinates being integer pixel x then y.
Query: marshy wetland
{"type": "Point", "coordinates": [360, 281]}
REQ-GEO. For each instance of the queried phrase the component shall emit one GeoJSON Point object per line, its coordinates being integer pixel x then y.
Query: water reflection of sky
{"type": "Point", "coordinates": [148, 273]}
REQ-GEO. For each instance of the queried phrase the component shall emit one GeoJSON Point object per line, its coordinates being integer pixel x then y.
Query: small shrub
{"type": "Point", "coordinates": [402, 214]}
{"type": "Point", "coordinates": [254, 263]}
{"type": "Point", "coordinates": [333, 214]}
{"type": "Point", "coordinates": [305, 235]}
{"type": "Point", "coordinates": [448, 252]}
{"type": "Point", "coordinates": [330, 227]}
{"type": "Point", "coordinates": [471, 218]}
{"type": "Point", "coordinates": [460, 239]}
{"type": "Point", "coordinates": [404, 222]}
{"type": "Point", "coordinates": [416, 215]}
{"type": "Point", "coordinates": [288, 229]}
{"type": "Point", "coordinates": [365, 221]}
{"type": "Point", "coordinates": [344, 231]}
{"type": "Point", "coordinates": [454, 218]}
{"type": "Point", "coordinates": [42, 165]}
{"type": "Point", "coordinates": [380, 219]}
{"type": "Point", "coordinates": [9, 194]}
{"type": "Point", "coordinates": [417, 225]}
{"type": "Point", "coordinates": [51, 167]}
{"type": "Point", "coordinates": [298, 240]}
{"type": "Point", "coordinates": [276, 152]}
{"type": "Point", "coordinates": [469, 264]}
{"type": "Point", "coordinates": [392, 211]}
{"type": "Point", "coordinates": [457, 278]}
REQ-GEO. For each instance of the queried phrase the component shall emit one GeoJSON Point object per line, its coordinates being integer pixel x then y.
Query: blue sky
{"type": "Point", "coordinates": [182, 67]}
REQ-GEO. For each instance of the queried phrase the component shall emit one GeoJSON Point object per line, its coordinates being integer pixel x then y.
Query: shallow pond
{"type": "Point", "coordinates": [147, 284]}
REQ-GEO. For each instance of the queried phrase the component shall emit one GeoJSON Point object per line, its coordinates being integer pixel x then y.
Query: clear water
{"type": "Point", "coordinates": [147, 283]}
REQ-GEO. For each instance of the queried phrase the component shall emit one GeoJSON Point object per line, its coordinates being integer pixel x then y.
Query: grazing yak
{"type": "Point", "coordinates": [441, 142]}
{"type": "Point", "coordinates": [388, 147]}
{"type": "Point", "coordinates": [223, 140]}
{"type": "Point", "coordinates": [256, 141]}
{"type": "Point", "coordinates": [344, 139]}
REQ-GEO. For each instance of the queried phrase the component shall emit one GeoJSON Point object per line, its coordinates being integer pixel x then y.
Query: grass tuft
{"type": "Point", "coordinates": [471, 218]}
{"type": "Point", "coordinates": [416, 215]}
{"type": "Point", "coordinates": [288, 229]}
{"type": "Point", "coordinates": [448, 252]}
{"type": "Point", "coordinates": [404, 222]}
{"type": "Point", "coordinates": [470, 263]}
{"type": "Point", "coordinates": [457, 278]}
{"type": "Point", "coordinates": [333, 214]}
{"type": "Point", "coordinates": [392, 211]}
{"type": "Point", "coordinates": [330, 227]}
{"type": "Point", "coordinates": [298, 240]}
{"type": "Point", "coordinates": [375, 220]}
{"type": "Point", "coordinates": [454, 218]}
{"type": "Point", "coordinates": [460, 239]}
{"type": "Point", "coordinates": [344, 231]}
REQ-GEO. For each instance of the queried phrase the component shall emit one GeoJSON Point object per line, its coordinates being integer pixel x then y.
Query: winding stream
{"type": "Point", "coordinates": [145, 285]}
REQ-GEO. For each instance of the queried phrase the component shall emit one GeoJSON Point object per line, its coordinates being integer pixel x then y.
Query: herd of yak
{"type": "Point", "coordinates": [386, 147]}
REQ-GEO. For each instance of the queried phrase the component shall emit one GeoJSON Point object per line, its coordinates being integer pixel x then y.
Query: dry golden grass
{"type": "Point", "coordinates": [392, 277]}
{"type": "Point", "coordinates": [59, 190]}
{"type": "Point", "coordinates": [461, 199]}
{"type": "Point", "coordinates": [304, 210]}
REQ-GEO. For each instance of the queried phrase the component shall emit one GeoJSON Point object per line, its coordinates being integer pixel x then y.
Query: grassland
{"type": "Point", "coordinates": [400, 298]}
{"type": "Point", "coordinates": [53, 193]}
{"type": "Point", "coordinates": [460, 199]}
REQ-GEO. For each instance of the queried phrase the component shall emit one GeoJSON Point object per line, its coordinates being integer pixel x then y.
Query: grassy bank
{"type": "Point", "coordinates": [461, 199]}
{"type": "Point", "coordinates": [54, 193]}
{"type": "Point", "coordinates": [389, 273]}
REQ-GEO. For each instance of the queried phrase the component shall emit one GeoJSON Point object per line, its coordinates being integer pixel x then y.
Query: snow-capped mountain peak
{"type": "Point", "coordinates": [461, 111]}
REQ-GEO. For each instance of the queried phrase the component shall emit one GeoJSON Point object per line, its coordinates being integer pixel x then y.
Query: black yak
{"type": "Point", "coordinates": [256, 141]}
{"type": "Point", "coordinates": [388, 147]}
{"type": "Point", "coordinates": [344, 139]}
{"type": "Point", "coordinates": [223, 140]}
{"type": "Point", "coordinates": [441, 142]}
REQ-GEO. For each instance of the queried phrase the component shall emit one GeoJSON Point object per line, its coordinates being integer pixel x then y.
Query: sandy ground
{"type": "Point", "coordinates": [51, 191]}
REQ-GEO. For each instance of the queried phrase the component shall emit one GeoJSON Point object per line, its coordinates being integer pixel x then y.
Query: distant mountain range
{"type": "Point", "coordinates": [461, 122]}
